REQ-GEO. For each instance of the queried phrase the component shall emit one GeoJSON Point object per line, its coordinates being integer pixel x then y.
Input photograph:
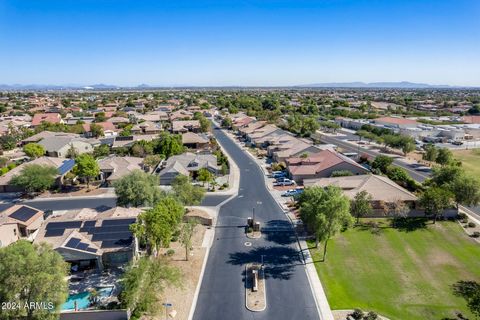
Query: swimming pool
{"type": "Point", "coordinates": [82, 298]}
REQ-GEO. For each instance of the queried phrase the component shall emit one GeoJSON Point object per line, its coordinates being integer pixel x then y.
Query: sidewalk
{"type": "Point", "coordinates": [321, 301]}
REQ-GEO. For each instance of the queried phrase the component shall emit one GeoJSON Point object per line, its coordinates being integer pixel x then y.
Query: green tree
{"type": "Point", "coordinates": [86, 167]}
{"type": "Point", "coordinates": [96, 130]}
{"type": "Point", "coordinates": [382, 163]}
{"type": "Point", "coordinates": [101, 151]}
{"type": "Point", "coordinates": [35, 178]}
{"type": "Point", "coordinates": [32, 273]}
{"type": "Point", "coordinates": [34, 150]}
{"type": "Point", "coordinates": [7, 142]}
{"type": "Point", "coordinates": [143, 283]}
{"type": "Point", "coordinates": [169, 145]}
{"type": "Point", "coordinates": [441, 176]}
{"type": "Point", "coordinates": [204, 122]}
{"type": "Point", "coordinates": [152, 160]}
{"type": "Point", "coordinates": [361, 205]}
{"type": "Point", "coordinates": [227, 123]}
{"type": "Point", "coordinates": [465, 189]}
{"type": "Point", "coordinates": [100, 117]}
{"type": "Point", "coordinates": [205, 176]}
{"type": "Point", "coordinates": [431, 153]}
{"type": "Point", "coordinates": [325, 211]}
{"type": "Point", "coordinates": [444, 157]}
{"type": "Point", "coordinates": [407, 147]}
{"type": "Point", "coordinates": [157, 225]}
{"type": "Point", "coordinates": [187, 193]}
{"type": "Point", "coordinates": [186, 234]}
{"type": "Point", "coordinates": [435, 200]}
{"type": "Point", "coordinates": [137, 189]}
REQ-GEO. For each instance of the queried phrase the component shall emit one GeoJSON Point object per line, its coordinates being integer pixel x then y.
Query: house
{"type": "Point", "coordinates": [382, 190]}
{"type": "Point", "coordinates": [91, 239]}
{"type": "Point", "coordinates": [38, 118]}
{"type": "Point", "coordinates": [46, 134]}
{"type": "Point", "coordinates": [147, 127]}
{"type": "Point", "coordinates": [154, 116]}
{"type": "Point", "coordinates": [321, 165]}
{"type": "Point", "coordinates": [60, 146]}
{"type": "Point", "coordinates": [187, 164]}
{"type": "Point", "coordinates": [118, 120]}
{"type": "Point", "coordinates": [181, 126]}
{"type": "Point", "coordinates": [63, 166]}
{"type": "Point", "coordinates": [108, 128]}
{"type": "Point", "coordinates": [195, 141]}
{"type": "Point", "coordinates": [19, 222]}
{"type": "Point", "coordinates": [113, 167]}
{"type": "Point", "coordinates": [181, 115]}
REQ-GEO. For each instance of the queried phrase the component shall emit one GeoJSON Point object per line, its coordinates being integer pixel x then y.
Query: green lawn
{"type": "Point", "coordinates": [470, 160]}
{"type": "Point", "coordinates": [397, 273]}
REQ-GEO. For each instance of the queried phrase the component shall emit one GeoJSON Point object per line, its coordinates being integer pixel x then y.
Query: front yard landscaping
{"type": "Point", "coordinates": [401, 273]}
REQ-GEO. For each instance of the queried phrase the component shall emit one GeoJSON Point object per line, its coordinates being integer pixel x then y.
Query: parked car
{"type": "Point", "coordinates": [457, 143]}
{"type": "Point", "coordinates": [292, 192]}
{"type": "Point", "coordinates": [279, 174]}
{"type": "Point", "coordinates": [285, 182]}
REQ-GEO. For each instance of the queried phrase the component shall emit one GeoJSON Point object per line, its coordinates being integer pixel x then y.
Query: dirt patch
{"type": "Point", "coordinates": [94, 191]}
{"type": "Point", "coordinates": [182, 298]}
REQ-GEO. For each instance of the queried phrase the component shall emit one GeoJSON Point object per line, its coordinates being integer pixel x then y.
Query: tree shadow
{"type": "Point", "coordinates": [279, 261]}
{"type": "Point", "coordinates": [279, 231]}
{"type": "Point", "coordinates": [409, 224]}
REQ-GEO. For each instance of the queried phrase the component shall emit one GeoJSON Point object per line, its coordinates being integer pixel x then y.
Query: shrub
{"type": "Point", "coordinates": [170, 252]}
{"type": "Point", "coordinates": [357, 314]}
{"type": "Point", "coordinates": [471, 225]}
{"type": "Point", "coordinates": [371, 316]}
{"type": "Point", "coordinates": [476, 234]}
{"type": "Point", "coordinates": [462, 216]}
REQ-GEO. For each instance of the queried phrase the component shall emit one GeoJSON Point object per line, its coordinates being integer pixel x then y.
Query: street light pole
{"type": "Point", "coordinates": [253, 216]}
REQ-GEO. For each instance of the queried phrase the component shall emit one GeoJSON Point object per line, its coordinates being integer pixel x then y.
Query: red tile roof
{"type": "Point", "coordinates": [38, 118]}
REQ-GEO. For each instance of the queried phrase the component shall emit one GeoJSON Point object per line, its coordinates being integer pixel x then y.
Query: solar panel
{"type": "Point", "coordinates": [23, 213]}
{"type": "Point", "coordinates": [82, 246]}
{"type": "Point", "coordinates": [66, 166]}
{"type": "Point", "coordinates": [64, 225]}
{"type": "Point", "coordinates": [116, 243]}
{"type": "Point", "coordinates": [109, 229]}
{"type": "Point", "coordinates": [54, 232]}
{"type": "Point", "coordinates": [89, 223]}
{"type": "Point", "coordinates": [72, 243]}
{"type": "Point", "coordinates": [116, 222]}
{"type": "Point", "coordinates": [91, 250]}
{"type": "Point", "coordinates": [111, 236]}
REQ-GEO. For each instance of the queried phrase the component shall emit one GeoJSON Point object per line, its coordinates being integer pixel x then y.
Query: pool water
{"type": "Point", "coordinates": [82, 298]}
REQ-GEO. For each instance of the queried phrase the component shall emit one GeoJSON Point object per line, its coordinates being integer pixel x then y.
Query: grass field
{"type": "Point", "coordinates": [400, 273]}
{"type": "Point", "coordinates": [470, 160]}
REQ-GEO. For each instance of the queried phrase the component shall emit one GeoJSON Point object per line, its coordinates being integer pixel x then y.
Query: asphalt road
{"type": "Point", "coordinates": [222, 294]}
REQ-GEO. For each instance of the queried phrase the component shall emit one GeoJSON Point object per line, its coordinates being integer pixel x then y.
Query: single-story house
{"type": "Point", "coordinates": [147, 127]}
{"type": "Point", "coordinates": [187, 164]}
{"type": "Point", "coordinates": [382, 190]}
{"type": "Point", "coordinates": [195, 141]}
{"type": "Point", "coordinates": [91, 239]}
{"type": "Point", "coordinates": [38, 118]}
{"type": "Point", "coordinates": [59, 146]}
{"type": "Point", "coordinates": [108, 128]}
{"type": "Point", "coordinates": [47, 134]}
{"type": "Point", "coordinates": [19, 222]}
{"type": "Point", "coordinates": [63, 166]}
{"type": "Point", "coordinates": [181, 126]}
{"type": "Point", "coordinates": [113, 167]}
{"type": "Point", "coordinates": [321, 165]}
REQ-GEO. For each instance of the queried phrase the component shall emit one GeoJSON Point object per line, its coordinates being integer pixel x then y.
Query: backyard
{"type": "Point", "coordinates": [402, 273]}
{"type": "Point", "coordinates": [470, 160]}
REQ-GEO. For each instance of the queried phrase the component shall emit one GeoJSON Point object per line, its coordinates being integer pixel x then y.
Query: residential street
{"type": "Point", "coordinates": [222, 294]}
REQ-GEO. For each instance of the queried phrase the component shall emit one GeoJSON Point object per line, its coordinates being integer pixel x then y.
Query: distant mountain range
{"type": "Point", "coordinates": [400, 85]}
{"type": "Point", "coordinates": [101, 86]}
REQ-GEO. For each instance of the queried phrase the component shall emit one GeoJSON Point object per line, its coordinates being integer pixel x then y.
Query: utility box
{"type": "Point", "coordinates": [256, 226]}
{"type": "Point", "coordinates": [255, 280]}
{"type": "Point", "coordinates": [250, 222]}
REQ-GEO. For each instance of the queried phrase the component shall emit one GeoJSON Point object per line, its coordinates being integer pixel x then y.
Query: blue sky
{"type": "Point", "coordinates": [179, 42]}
